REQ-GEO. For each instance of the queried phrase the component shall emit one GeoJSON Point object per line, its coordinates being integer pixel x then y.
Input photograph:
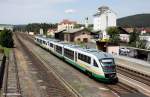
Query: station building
{"type": "Point", "coordinates": [74, 35]}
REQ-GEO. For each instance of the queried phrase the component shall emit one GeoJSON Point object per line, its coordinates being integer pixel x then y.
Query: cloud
{"type": "Point", "coordinates": [70, 11]}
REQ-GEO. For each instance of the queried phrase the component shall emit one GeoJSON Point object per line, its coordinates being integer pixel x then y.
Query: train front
{"type": "Point", "coordinates": [109, 69]}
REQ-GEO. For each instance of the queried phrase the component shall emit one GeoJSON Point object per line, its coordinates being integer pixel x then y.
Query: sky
{"type": "Point", "coordinates": [54, 11]}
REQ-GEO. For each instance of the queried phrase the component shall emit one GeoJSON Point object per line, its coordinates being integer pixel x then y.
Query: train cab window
{"type": "Point", "coordinates": [95, 64]}
{"type": "Point", "coordinates": [106, 62]}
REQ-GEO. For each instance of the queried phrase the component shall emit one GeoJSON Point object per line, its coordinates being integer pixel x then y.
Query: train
{"type": "Point", "coordinates": [95, 63]}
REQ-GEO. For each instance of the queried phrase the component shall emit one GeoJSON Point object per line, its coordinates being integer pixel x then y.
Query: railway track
{"type": "Point", "coordinates": [119, 88]}
{"type": "Point", "coordinates": [122, 89]}
{"type": "Point", "coordinates": [11, 85]}
{"type": "Point", "coordinates": [134, 75]}
{"type": "Point", "coordinates": [55, 85]}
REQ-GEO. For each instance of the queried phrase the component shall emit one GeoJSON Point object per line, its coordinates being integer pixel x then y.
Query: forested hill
{"type": "Point", "coordinates": [139, 20]}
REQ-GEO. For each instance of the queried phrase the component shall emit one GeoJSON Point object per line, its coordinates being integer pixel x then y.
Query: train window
{"type": "Point", "coordinates": [43, 42]}
{"type": "Point", "coordinates": [51, 45]}
{"type": "Point", "coordinates": [84, 58]}
{"type": "Point", "coordinates": [89, 60]}
{"type": "Point", "coordinates": [95, 64]}
{"type": "Point", "coordinates": [78, 56]}
{"type": "Point", "coordinates": [69, 54]}
{"type": "Point", "coordinates": [59, 49]}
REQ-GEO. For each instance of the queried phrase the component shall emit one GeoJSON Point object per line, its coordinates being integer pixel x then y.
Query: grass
{"type": "Point", "coordinates": [6, 50]}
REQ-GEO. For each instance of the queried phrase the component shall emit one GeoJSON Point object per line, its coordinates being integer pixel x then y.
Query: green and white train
{"type": "Point", "coordinates": [96, 63]}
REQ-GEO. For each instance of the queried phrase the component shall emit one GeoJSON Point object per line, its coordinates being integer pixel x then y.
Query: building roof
{"type": "Point", "coordinates": [102, 10]}
{"type": "Point", "coordinates": [65, 21]}
{"type": "Point", "coordinates": [75, 30]}
{"type": "Point", "coordinates": [61, 31]}
{"type": "Point", "coordinates": [99, 54]}
{"type": "Point", "coordinates": [122, 31]}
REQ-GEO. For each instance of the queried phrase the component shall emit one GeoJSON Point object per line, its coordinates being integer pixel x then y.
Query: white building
{"type": "Point", "coordinates": [124, 37]}
{"type": "Point", "coordinates": [66, 25]}
{"type": "Point", "coordinates": [103, 19]}
{"type": "Point", "coordinates": [145, 38]}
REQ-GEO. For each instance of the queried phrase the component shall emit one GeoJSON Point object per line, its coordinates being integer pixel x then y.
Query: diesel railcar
{"type": "Point", "coordinates": [96, 63]}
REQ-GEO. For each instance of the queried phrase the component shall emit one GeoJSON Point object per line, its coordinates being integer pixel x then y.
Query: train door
{"type": "Point", "coordinates": [75, 56]}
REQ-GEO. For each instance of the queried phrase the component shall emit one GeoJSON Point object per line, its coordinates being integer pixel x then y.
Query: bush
{"type": "Point", "coordinates": [113, 33]}
{"type": "Point", "coordinates": [6, 38]}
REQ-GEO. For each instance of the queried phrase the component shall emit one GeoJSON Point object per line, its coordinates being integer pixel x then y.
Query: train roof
{"type": "Point", "coordinates": [99, 54]}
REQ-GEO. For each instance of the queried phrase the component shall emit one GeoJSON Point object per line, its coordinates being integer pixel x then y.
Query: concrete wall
{"type": "Point", "coordinates": [114, 50]}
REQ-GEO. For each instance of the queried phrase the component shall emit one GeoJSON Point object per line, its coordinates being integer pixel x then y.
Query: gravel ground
{"type": "Point", "coordinates": [42, 81]}
{"type": "Point", "coordinates": [26, 76]}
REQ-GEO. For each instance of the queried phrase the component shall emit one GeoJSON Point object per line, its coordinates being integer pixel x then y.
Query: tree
{"type": "Point", "coordinates": [142, 44]}
{"type": "Point", "coordinates": [35, 27]}
{"type": "Point", "coordinates": [134, 38]}
{"type": "Point", "coordinates": [78, 25]}
{"type": "Point", "coordinates": [6, 38]}
{"type": "Point", "coordinates": [113, 33]}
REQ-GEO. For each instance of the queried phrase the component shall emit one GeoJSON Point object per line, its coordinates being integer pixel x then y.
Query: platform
{"type": "Point", "coordinates": [134, 64]}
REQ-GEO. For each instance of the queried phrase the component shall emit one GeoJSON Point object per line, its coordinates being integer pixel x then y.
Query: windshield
{"type": "Point", "coordinates": [107, 62]}
{"type": "Point", "coordinates": [108, 65]}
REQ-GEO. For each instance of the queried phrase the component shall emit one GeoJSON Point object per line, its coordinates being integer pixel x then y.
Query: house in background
{"type": "Point", "coordinates": [74, 35]}
{"type": "Point", "coordinates": [124, 35]}
{"type": "Point", "coordinates": [67, 32]}
{"type": "Point", "coordinates": [103, 19]}
{"type": "Point", "coordinates": [129, 30]}
{"type": "Point", "coordinates": [51, 32]}
{"type": "Point", "coordinates": [144, 31]}
{"type": "Point", "coordinates": [66, 25]}
{"type": "Point", "coordinates": [59, 35]}
{"type": "Point", "coordinates": [77, 35]}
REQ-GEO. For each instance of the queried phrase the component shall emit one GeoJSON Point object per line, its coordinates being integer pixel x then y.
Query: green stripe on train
{"type": "Point", "coordinates": [98, 77]}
